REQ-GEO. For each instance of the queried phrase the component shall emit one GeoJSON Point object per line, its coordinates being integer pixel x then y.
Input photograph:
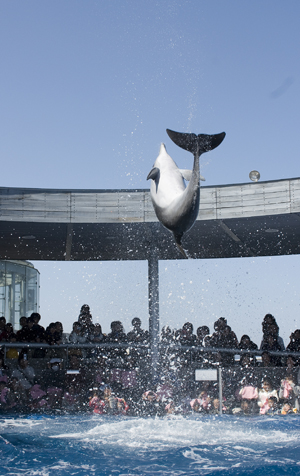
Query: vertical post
{"type": "Point", "coordinates": [153, 295]}
{"type": "Point", "coordinates": [220, 391]}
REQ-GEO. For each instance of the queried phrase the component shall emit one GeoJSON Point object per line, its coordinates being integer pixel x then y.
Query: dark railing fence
{"type": "Point", "coordinates": [191, 351]}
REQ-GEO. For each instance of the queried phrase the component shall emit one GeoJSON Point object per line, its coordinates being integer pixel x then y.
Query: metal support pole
{"type": "Point", "coordinates": [153, 293]}
{"type": "Point", "coordinates": [220, 391]}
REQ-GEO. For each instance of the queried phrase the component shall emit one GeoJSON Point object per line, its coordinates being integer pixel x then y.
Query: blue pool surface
{"type": "Point", "coordinates": [41, 445]}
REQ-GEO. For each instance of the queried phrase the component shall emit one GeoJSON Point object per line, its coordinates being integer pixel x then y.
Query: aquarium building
{"type": "Point", "coordinates": [19, 290]}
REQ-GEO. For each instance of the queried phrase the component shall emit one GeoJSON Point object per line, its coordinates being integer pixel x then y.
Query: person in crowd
{"type": "Point", "coordinates": [270, 327]}
{"type": "Point", "coordinates": [249, 393]}
{"type": "Point", "coordinates": [2, 323]}
{"type": "Point", "coordinates": [271, 340]}
{"type": "Point", "coordinates": [29, 334]}
{"type": "Point", "coordinates": [54, 398]}
{"type": "Point", "coordinates": [60, 332]}
{"type": "Point", "coordinates": [206, 395]}
{"type": "Point", "coordinates": [117, 333]}
{"type": "Point", "coordinates": [221, 332]}
{"type": "Point", "coordinates": [243, 409]}
{"type": "Point", "coordinates": [24, 373]}
{"type": "Point", "coordinates": [287, 408]}
{"type": "Point", "coordinates": [102, 369]}
{"type": "Point", "coordinates": [85, 319]}
{"type": "Point", "coordinates": [84, 313]}
{"type": "Point", "coordinates": [71, 399]}
{"type": "Point", "coordinates": [19, 395]}
{"type": "Point", "coordinates": [96, 403]}
{"type": "Point", "coordinates": [202, 332]}
{"type": "Point", "coordinates": [53, 337]}
{"type": "Point", "coordinates": [167, 335]}
{"type": "Point", "coordinates": [266, 360]}
{"type": "Point", "coordinates": [137, 335]}
{"type": "Point", "coordinates": [171, 409]}
{"type": "Point", "coordinates": [135, 353]}
{"type": "Point", "coordinates": [97, 337]}
{"type": "Point", "coordinates": [54, 375]}
{"type": "Point", "coordinates": [186, 336]}
{"type": "Point", "coordinates": [22, 332]}
{"type": "Point", "coordinates": [78, 334]}
{"type": "Point", "coordinates": [113, 404]}
{"type": "Point", "coordinates": [294, 344]}
{"type": "Point", "coordinates": [37, 328]}
{"type": "Point", "coordinates": [289, 391]}
{"type": "Point", "coordinates": [272, 403]}
{"type": "Point", "coordinates": [150, 404]}
{"type": "Point", "coordinates": [165, 390]}
{"type": "Point", "coordinates": [246, 361]}
{"type": "Point", "coordinates": [270, 344]}
{"type": "Point", "coordinates": [7, 331]}
{"type": "Point", "coordinates": [38, 333]}
{"type": "Point", "coordinates": [105, 402]}
{"type": "Point", "coordinates": [290, 364]}
{"type": "Point", "coordinates": [202, 403]}
{"type": "Point", "coordinates": [10, 336]}
{"type": "Point", "coordinates": [219, 325]}
{"type": "Point", "coordinates": [227, 339]}
{"type": "Point", "coordinates": [264, 394]}
{"type": "Point", "coordinates": [4, 396]}
{"type": "Point", "coordinates": [38, 401]}
{"type": "Point", "coordinates": [4, 369]}
{"type": "Point", "coordinates": [215, 407]}
{"type": "Point", "coordinates": [246, 343]}
{"type": "Point", "coordinates": [196, 405]}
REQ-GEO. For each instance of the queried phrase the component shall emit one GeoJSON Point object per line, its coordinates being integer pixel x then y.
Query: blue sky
{"type": "Point", "coordinates": [87, 91]}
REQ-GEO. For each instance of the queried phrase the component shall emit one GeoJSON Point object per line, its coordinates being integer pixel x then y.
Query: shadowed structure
{"type": "Point", "coordinates": [253, 219]}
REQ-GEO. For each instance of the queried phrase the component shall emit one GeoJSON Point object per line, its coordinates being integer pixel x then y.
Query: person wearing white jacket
{"type": "Point", "coordinates": [264, 394]}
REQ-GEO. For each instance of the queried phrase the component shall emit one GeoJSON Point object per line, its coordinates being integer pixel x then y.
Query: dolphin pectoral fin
{"type": "Point", "coordinates": [196, 143]}
{"type": "Point", "coordinates": [187, 174]}
{"type": "Point", "coordinates": [178, 237]}
{"type": "Point", "coordinates": [153, 174]}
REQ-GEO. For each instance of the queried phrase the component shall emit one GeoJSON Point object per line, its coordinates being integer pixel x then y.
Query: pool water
{"type": "Point", "coordinates": [102, 445]}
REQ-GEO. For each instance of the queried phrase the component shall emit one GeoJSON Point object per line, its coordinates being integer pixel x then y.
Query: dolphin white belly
{"type": "Point", "coordinates": [176, 206]}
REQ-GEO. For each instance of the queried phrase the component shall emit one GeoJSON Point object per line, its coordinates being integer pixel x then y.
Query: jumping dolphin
{"type": "Point", "coordinates": [176, 206]}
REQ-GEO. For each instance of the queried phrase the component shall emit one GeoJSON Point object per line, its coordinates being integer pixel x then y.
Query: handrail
{"type": "Point", "coordinates": [126, 345]}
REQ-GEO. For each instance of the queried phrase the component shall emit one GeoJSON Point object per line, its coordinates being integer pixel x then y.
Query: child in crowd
{"type": "Point", "coordinates": [287, 408]}
{"type": "Point", "coordinates": [272, 404]}
{"type": "Point", "coordinates": [150, 404]}
{"type": "Point", "coordinates": [96, 403]}
{"type": "Point", "coordinates": [103, 401]}
{"type": "Point", "coordinates": [289, 391]}
{"type": "Point", "coordinates": [244, 408]}
{"type": "Point", "coordinates": [264, 394]}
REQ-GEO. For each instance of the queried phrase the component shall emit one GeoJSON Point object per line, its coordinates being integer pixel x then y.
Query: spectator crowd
{"type": "Point", "coordinates": [112, 374]}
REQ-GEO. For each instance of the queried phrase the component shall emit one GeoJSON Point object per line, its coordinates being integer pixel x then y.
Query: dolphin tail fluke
{"type": "Point", "coordinates": [197, 144]}
{"type": "Point", "coordinates": [178, 237]}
